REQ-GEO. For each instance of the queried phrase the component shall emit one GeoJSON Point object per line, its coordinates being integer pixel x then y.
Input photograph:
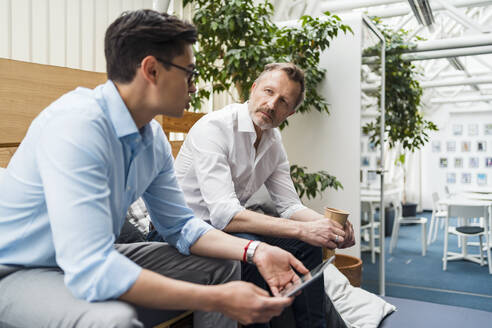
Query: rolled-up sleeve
{"type": "Point", "coordinates": [73, 169]}
{"type": "Point", "coordinates": [166, 204]}
{"type": "Point", "coordinates": [214, 174]}
{"type": "Point", "coordinates": [281, 188]}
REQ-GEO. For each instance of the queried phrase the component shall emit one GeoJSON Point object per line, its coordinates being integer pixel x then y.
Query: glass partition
{"type": "Point", "coordinates": [372, 152]}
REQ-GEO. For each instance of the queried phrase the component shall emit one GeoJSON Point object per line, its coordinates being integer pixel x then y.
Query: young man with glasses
{"type": "Point", "coordinates": [84, 160]}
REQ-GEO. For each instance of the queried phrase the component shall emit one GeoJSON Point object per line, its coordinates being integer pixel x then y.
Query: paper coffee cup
{"type": "Point", "coordinates": [339, 216]}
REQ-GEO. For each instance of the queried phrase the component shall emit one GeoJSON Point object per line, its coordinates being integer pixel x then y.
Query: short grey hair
{"type": "Point", "coordinates": [293, 72]}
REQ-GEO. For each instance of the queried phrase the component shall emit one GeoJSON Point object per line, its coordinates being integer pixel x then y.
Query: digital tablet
{"type": "Point", "coordinates": [307, 279]}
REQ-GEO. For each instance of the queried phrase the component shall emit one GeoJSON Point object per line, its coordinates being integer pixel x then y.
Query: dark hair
{"type": "Point", "coordinates": [137, 34]}
{"type": "Point", "coordinates": [293, 72]}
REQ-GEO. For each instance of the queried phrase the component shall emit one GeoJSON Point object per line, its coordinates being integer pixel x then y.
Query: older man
{"type": "Point", "coordinates": [229, 154]}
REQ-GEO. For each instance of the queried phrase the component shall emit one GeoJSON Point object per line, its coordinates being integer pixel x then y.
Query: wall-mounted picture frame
{"type": "Point", "coordinates": [443, 162]}
{"type": "Point", "coordinates": [465, 146]}
{"type": "Point", "coordinates": [436, 146]}
{"type": "Point", "coordinates": [365, 161]}
{"type": "Point", "coordinates": [481, 146]}
{"type": "Point", "coordinates": [465, 178]}
{"type": "Point", "coordinates": [451, 146]}
{"type": "Point", "coordinates": [458, 162]}
{"type": "Point", "coordinates": [451, 178]}
{"type": "Point", "coordinates": [481, 179]}
{"type": "Point", "coordinates": [473, 129]}
{"type": "Point", "coordinates": [473, 162]}
{"type": "Point", "coordinates": [488, 162]}
{"type": "Point", "coordinates": [457, 129]}
{"type": "Point", "coordinates": [487, 129]}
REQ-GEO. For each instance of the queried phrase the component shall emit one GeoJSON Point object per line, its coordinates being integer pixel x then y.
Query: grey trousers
{"type": "Point", "coordinates": [37, 297]}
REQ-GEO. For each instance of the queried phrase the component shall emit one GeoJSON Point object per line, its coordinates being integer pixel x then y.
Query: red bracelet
{"type": "Point", "coordinates": [245, 250]}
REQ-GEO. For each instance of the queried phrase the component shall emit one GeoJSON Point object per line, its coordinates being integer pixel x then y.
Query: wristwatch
{"type": "Point", "coordinates": [251, 251]}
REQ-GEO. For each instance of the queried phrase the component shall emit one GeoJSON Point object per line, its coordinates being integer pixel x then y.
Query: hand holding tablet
{"type": "Point", "coordinates": [307, 279]}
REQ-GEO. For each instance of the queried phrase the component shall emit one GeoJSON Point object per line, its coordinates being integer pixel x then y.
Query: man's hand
{"type": "Point", "coordinates": [248, 303]}
{"type": "Point", "coordinates": [349, 239]}
{"type": "Point", "coordinates": [323, 232]}
{"type": "Point", "coordinates": [275, 265]}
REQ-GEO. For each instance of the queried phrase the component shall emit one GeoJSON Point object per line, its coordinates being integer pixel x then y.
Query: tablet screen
{"type": "Point", "coordinates": [307, 279]}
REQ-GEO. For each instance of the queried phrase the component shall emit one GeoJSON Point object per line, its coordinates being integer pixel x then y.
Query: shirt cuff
{"type": "Point", "coordinates": [190, 233]}
{"type": "Point", "coordinates": [220, 219]}
{"type": "Point", "coordinates": [291, 210]}
{"type": "Point", "coordinates": [115, 276]}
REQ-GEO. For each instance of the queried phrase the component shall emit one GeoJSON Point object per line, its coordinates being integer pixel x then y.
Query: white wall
{"type": "Point", "coordinates": [434, 177]}
{"type": "Point", "coordinates": [66, 33]}
{"type": "Point", "coordinates": [332, 142]}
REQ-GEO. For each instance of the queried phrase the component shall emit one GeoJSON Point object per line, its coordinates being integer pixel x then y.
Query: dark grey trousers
{"type": "Point", "coordinates": [37, 297]}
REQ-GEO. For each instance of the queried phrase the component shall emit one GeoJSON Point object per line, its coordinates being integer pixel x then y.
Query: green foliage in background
{"type": "Point", "coordinates": [312, 184]}
{"type": "Point", "coordinates": [404, 123]}
{"type": "Point", "coordinates": [238, 38]}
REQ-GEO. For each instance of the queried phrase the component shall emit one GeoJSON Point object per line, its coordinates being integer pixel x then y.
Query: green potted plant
{"type": "Point", "coordinates": [405, 127]}
{"type": "Point", "coordinates": [237, 39]}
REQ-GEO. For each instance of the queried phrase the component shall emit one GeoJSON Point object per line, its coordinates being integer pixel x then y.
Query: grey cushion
{"type": "Point", "coordinates": [469, 230]}
{"type": "Point", "coordinates": [411, 314]}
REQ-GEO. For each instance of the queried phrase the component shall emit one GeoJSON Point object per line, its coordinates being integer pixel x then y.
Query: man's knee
{"type": "Point", "coordinates": [112, 314]}
{"type": "Point", "coordinates": [227, 270]}
{"type": "Point", "coordinates": [310, 255]}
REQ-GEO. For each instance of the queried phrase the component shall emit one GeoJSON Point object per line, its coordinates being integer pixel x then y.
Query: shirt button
{"type": "Point", "coordinates": [128, 188]}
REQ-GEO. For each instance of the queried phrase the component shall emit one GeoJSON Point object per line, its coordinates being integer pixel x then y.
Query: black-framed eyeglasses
{"type": "Point", "coordinates": [192, 73]}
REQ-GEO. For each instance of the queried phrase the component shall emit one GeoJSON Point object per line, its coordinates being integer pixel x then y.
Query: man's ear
{"type": "Point", "coordinates": [252, 86]}
{"type": "Point", "coordinates": [148, 68]}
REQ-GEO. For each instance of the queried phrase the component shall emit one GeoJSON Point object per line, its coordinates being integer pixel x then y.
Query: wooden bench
{"type": "Point", "coordinates": [27, 88]}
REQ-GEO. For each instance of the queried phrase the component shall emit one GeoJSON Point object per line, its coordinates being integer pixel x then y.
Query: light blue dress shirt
{"type": "Point", "coordinates": [65, 192]}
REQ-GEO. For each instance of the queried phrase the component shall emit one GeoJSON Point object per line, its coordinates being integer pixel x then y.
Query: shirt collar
{"type": "Point", "coordinates": [117, 111]}
{"type": "Point", "coordinates": [245, 123]}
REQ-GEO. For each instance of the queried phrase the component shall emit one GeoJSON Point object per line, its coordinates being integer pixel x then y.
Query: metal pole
{"type": "Point", "coordinates": [451, 43]}
{"type": "Point", "coordinates": [472, 51]}
{"type": "Point", "coordinates": [439, 83]}
{"type": "Point", "coordinates": [425, 55]}
{"type": "Point", "coordinates": [349, 5]}
{"type": "Point", "coordinates": [404, 8]}
{"type": "Point", "coordinates": [382, 274]}
{"type": "Point", "coordinates": [460, 100]}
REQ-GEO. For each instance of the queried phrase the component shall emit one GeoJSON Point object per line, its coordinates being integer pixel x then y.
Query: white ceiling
{"type": "Point", "coordinates": [464, 26]}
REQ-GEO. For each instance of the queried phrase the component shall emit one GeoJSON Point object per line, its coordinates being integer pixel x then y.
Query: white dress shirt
{"type": "Point", "coordinates": [219, 169]}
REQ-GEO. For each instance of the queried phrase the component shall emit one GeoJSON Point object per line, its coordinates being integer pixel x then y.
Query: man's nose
{"type": "Point", "coordinates": [271, 104]}
{"type": "Point", "coordinates": [192, 88]}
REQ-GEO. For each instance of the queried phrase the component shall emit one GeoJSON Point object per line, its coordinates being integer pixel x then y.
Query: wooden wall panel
{"type": "Point", "coordinates": [183, 124]}
{"type": "Point", "coordinates": [27, 88]}
{"type": "Point", "coordinates": [5, 155]}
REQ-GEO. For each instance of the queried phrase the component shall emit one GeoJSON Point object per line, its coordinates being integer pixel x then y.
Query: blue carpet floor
{"type": "Point", "coordinates": [411, 275]}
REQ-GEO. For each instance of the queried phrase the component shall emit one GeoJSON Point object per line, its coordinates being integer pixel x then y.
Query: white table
{"type": "Point", "coordinates": [461, 200]}
{"type": "Point", "coordinates": [374, 195]}
{"type": "Point", "coordinates": [478, 190]}
{"type": "Point", "coordinates": [475, 195]}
